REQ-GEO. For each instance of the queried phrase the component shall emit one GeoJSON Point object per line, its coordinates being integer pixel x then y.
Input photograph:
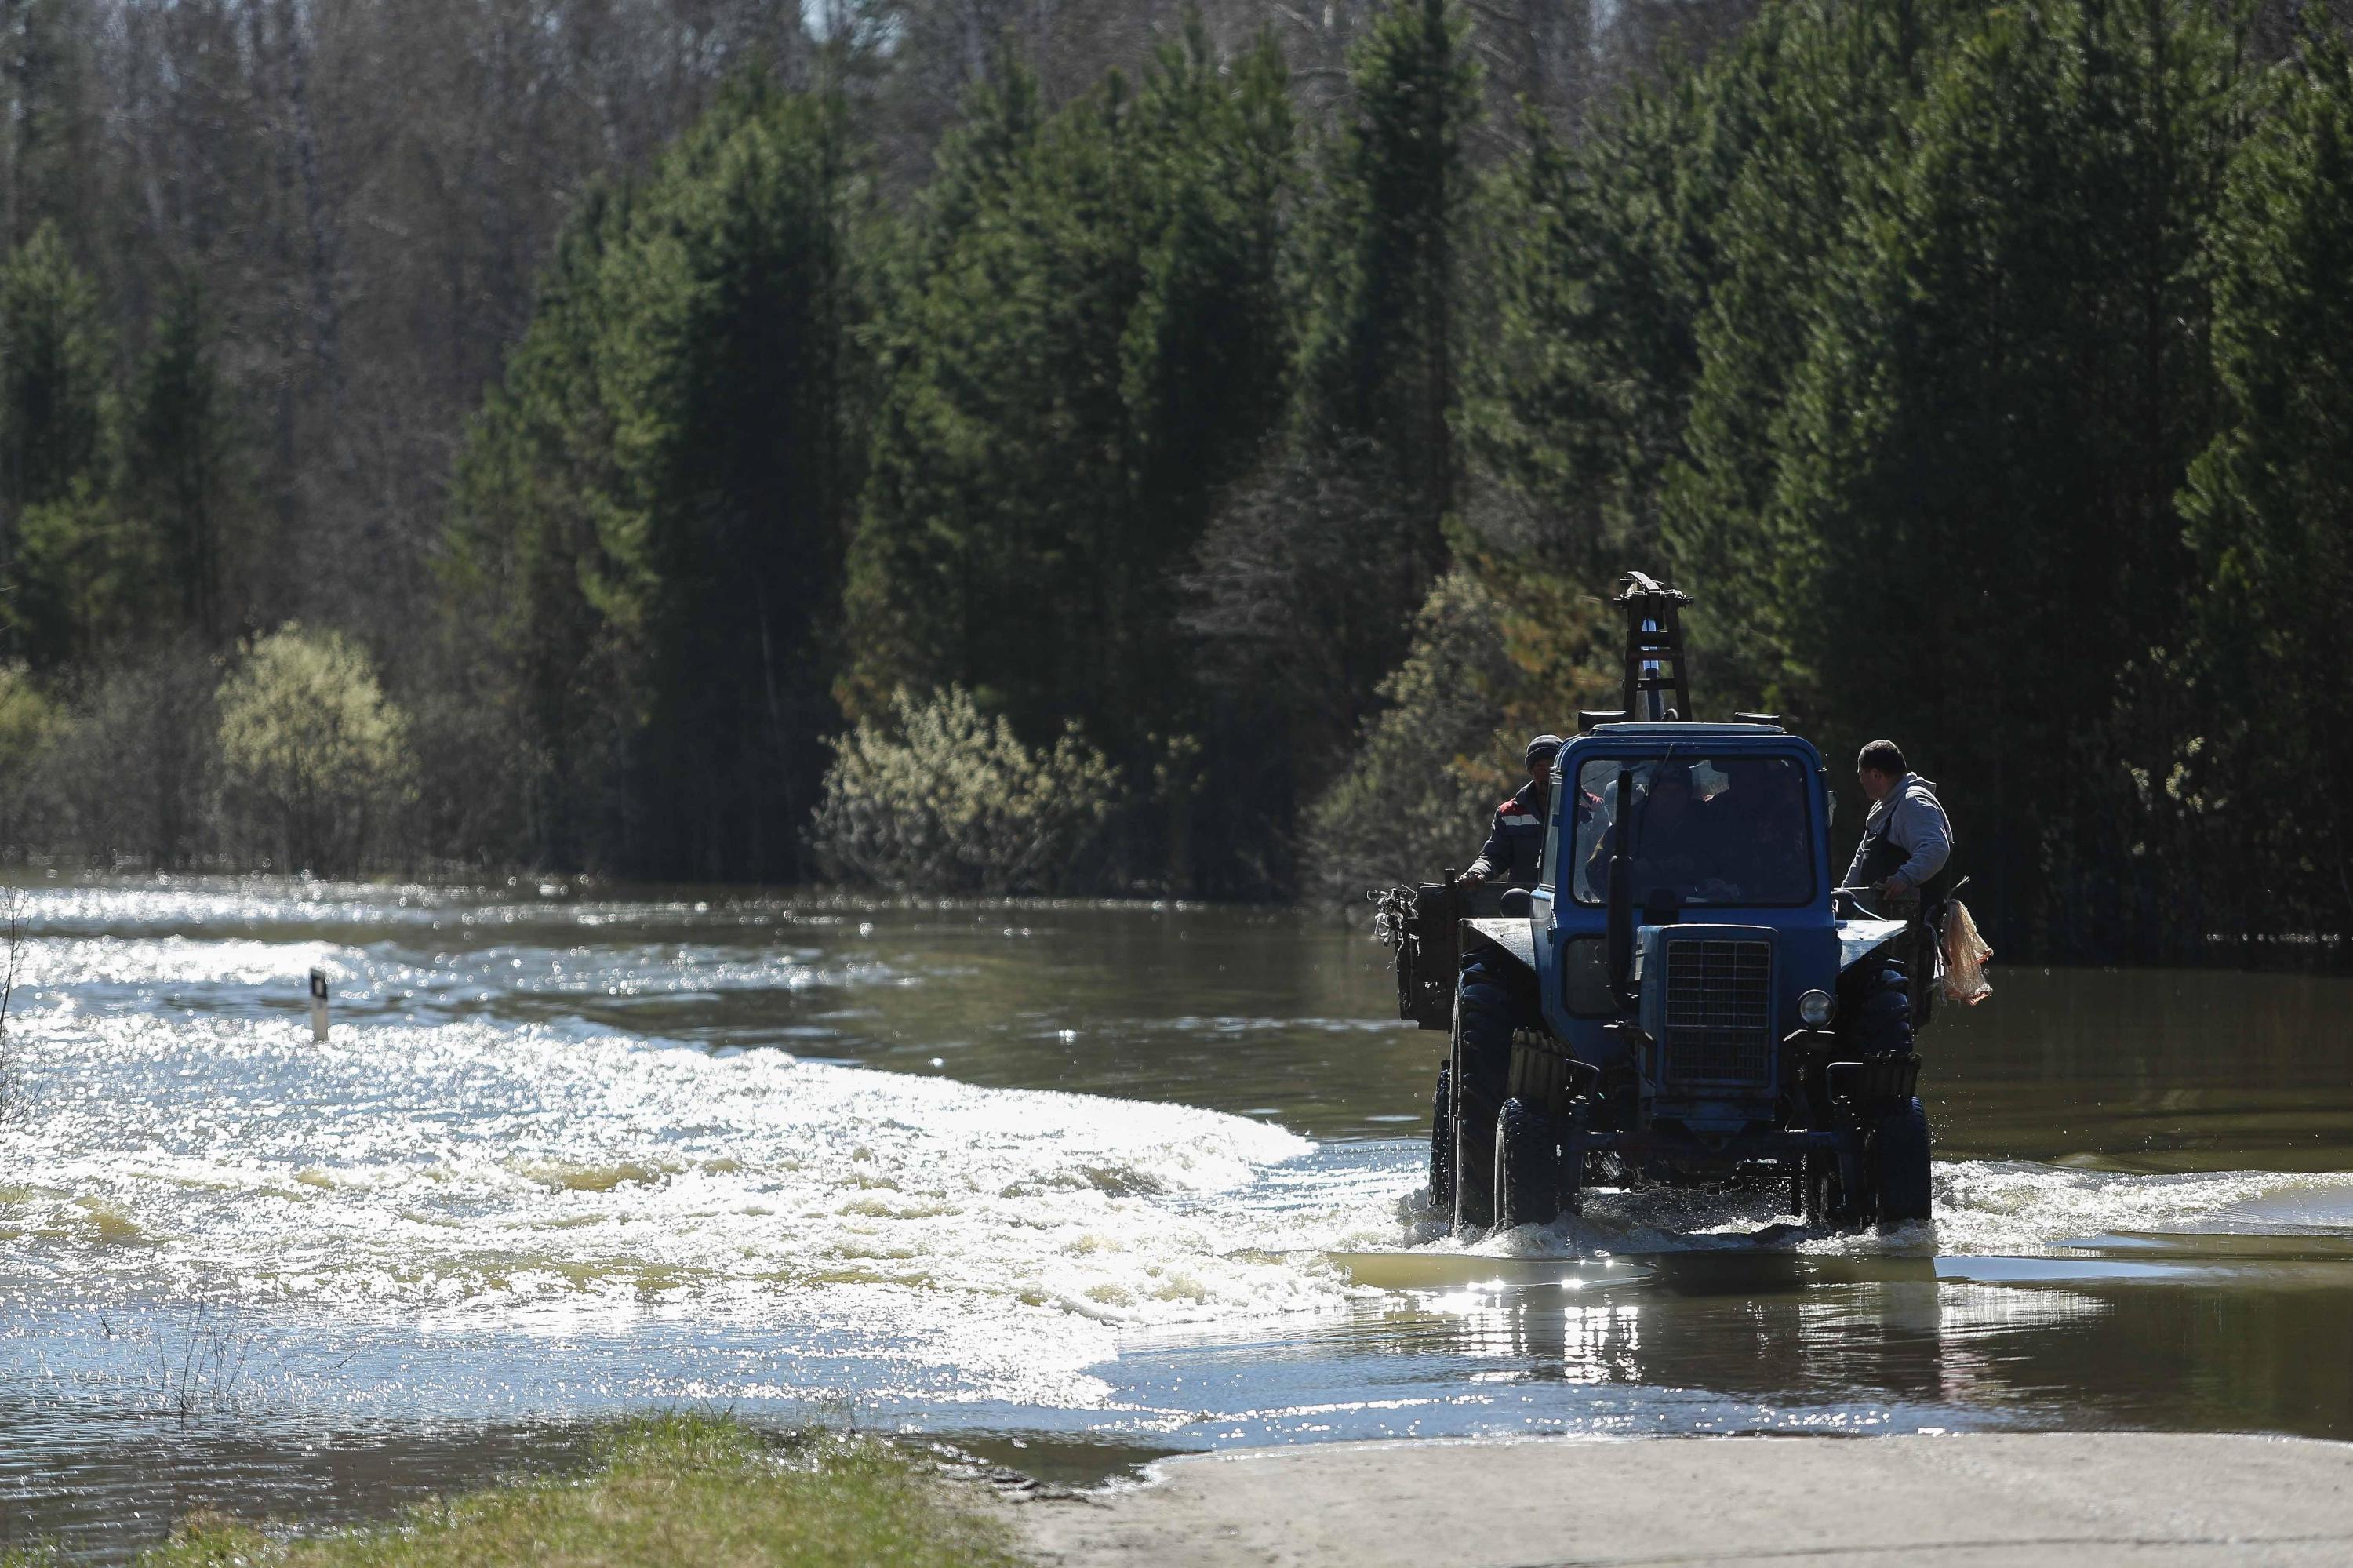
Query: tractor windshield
{"type": "Point", "coordinates": [1729, 830]}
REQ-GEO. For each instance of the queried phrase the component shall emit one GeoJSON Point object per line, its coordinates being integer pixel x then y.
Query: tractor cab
{"type": "Point", "coordinates": [1687, 905]}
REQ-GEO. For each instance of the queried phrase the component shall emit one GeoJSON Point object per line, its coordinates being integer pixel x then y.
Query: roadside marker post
{"type": "Point", "coordinates": [318, 1007]}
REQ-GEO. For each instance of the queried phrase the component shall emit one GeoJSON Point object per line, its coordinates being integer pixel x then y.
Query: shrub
{"type": "Point", "coordinates": [1413, 798]}
{"type": "Point", "coordinates": [947, 799]}
{"type": "Point", "coordinates": [131, 769]}
{"type": "Point", "coordinates": [1501, 652]}
{"type": "Point", "coordinates": [317, 760]}
{"type": "Point", "coordinates": [30, 726]}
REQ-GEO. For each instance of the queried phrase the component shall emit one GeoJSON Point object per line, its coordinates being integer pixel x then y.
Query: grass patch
{"type": "Point", "coordinates": [678, 1491]}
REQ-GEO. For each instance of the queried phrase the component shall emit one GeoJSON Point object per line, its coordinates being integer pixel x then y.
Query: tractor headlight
{"type": "Point", "coordinates": [1815, 1007]}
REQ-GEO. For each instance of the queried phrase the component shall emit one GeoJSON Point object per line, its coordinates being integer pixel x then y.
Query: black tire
{"type": "Point", "coordinates": [1900, 1164]}
{"type": "Point", "coordinates": [1819, 1183]}
{"type": "Point", "coordinates": [1441, 1144]}
{"type": "Point", "coordinates": [1879, 1015]}
{"type": "Point", "coordinates": [1827, 1201]}
{"type": "Point", "coordinates": [1528, 1166]}
{"type": "Point", "coordinates": [1480, 1078]}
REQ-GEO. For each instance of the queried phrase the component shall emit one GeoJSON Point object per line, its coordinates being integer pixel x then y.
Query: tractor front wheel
{"type": "Point", "coordinates": [1827, 1201]}
{"type": "Point", "coordinates": [1528, 1166]}
{"type": "Point", "coordinates": [1899, 1163]}
{"type": "Point", "coordinates": [1875, 1020]}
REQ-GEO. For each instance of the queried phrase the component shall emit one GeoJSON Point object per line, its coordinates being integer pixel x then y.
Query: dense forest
{"type": "Point", "coordinates": [1095, 446]}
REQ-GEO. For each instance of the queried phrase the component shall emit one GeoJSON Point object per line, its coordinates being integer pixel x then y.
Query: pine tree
{"type": "Point", "coordinates": [1379, 355]}
{"type": "Point", "coordinates": [1307, 580]}
{"type": "Point", "coordinates": [1602, 267]}
{"type": "Point", "coordinates": [46, 152]}
{"type": "Point", "coordinates": [180, 458]}
{"type": "Point", "coordinates": [53, 378]}
{"type": "Point", "coordinates": [522, 551]}
{"type": "Point", "coordinates": [657, 493]}
{"type": "Point", "coordinates": [1090, 343]}
{"type": "Point", "coordinates": [1800, 120]}
{"type": "Point", "coordinates": [2004, 384]}
{"type": "Point", "coordinates": [2270, 505]}
{"type": "Point", "coordinates": [63, 564]}
{"type": "Point", "coordinates": [1886, 332]}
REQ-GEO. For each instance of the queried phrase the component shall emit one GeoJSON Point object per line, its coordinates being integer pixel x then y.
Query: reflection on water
{"type": "Point", "coordinates": [1129, 1179]}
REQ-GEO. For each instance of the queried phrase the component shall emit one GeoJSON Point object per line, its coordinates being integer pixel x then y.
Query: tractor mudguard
{"type": "Point", "coordinates": [1859, 939]}
{"type": "Point", "coordinates": [1509, 936]}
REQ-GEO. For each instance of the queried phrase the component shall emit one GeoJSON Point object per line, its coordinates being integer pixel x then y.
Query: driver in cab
{"type": "Point", "coordinates": [1673, 837]}
{"type": "Point", "coordinates": [1711, 831]}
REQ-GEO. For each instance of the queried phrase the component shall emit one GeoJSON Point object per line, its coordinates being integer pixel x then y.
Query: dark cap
{"type": "Point", "coordinates": [1545, 745]}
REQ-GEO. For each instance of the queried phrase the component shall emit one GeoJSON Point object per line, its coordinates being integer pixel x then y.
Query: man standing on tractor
{"type": "Point", "coordinates": [1906, 840]}
{"type": "Point", "coordinates": [1514, 847]}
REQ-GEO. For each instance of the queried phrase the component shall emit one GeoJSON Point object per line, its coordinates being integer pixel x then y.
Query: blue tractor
{"type": "Point", "coordinates": [1685, 995]}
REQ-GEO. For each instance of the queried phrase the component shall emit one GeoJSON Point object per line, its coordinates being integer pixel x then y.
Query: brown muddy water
{"type": "Point", "coordinates": [1063, 1184]}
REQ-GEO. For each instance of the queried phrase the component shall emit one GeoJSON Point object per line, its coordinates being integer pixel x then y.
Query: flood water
{"type": "Point", "coordinates": [1065, 1184]}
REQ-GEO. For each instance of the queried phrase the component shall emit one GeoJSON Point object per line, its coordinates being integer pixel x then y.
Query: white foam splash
{"type": "Point", "coordinates": [1982, 1208]}
{"type": "Point", "coordinates": [475, 1168]}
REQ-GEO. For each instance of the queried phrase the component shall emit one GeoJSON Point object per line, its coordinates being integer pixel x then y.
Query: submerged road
{"type": "Point", "coordinates": [2074, 1499]}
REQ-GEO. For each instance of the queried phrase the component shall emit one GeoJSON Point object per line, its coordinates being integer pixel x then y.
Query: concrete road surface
{"type": "Point", "coordinates": [2075, 1499]}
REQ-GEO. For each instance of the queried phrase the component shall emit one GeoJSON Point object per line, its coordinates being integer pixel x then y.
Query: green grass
{"type": "Point", "coordinates": [679, 1491]}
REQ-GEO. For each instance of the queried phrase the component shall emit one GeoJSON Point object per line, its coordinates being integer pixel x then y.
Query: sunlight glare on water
{"type": "Point", "coordinates": [461, 1168]}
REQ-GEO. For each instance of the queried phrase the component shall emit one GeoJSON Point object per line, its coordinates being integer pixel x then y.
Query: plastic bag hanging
{"type": "Point", "coordinates": [1966, 956]}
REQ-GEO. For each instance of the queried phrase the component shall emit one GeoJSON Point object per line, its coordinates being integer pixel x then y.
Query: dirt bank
{"type": "Point", "coordinates": [2072, 1498]}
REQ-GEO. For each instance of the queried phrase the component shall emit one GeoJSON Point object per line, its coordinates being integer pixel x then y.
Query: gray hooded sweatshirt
{"type": "Point", "coordinates": [1918, 827]}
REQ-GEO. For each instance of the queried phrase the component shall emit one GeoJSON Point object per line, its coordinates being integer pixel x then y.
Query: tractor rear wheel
{"type": "Point", "coordinates": [1528, 1166]}
{"type": "Point", "coordinates": [1479, 1078]}
{"type": "Point", "coordinates": [1441, 1144]}
{"type": "Point", "coordinates": [1900, 1164]}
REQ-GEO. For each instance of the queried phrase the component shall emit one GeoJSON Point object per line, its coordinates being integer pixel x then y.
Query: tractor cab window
{"type": "Point", "coordinates": [1711, 830]}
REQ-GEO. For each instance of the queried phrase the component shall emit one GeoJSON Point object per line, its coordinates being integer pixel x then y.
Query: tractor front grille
{"type": "Point", "coordinates": [1719, 1014]}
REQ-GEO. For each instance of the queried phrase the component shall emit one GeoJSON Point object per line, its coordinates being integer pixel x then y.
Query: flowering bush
{"type": "Point", "coordinates": [312, 750]}
{"type": "Point", "coordinates": [945, 798]}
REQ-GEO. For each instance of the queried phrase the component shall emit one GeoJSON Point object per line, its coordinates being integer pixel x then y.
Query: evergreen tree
{"type": "Point", "coordinates": [1886, 333]}
{"type": "Point", "coordinates": [1088, 345]}
{"type": "Point", "coordinates": [1800, 118]}
{"type": "Point", "coordinates": [180, 453]}
{"type": "Point", "coordinates": [53, 376]}
{"type": "Point", "coordinates": [1602, 267]}
{"type": "Point", "coordinates": [2005, 380]}
{"type": "Point", "coordinates": [1305, 585]}
{"type": "Point", "coordinates": [64, 564]}
{"type": "Point", "coordinates": [656, 493]}
{"type": "Point", "coordinates": [1379, 350]}
{"type": "Point", "coordinates": [1657, 283]}
{"type": "Point", "coordinates": [45, 149]}
{"type": "Point", "coordinates": [2271, 510]}
{"type": "Point", "coordinates": [522, 551]}
{"type": "Point", "coordinates": [916, 573]}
